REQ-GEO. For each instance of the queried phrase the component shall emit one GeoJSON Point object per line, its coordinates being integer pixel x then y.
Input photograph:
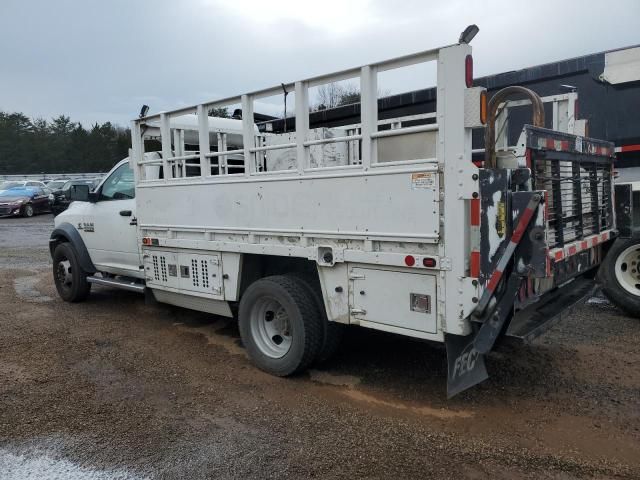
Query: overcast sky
{"type": "Point", "coordinates": [100, 60]}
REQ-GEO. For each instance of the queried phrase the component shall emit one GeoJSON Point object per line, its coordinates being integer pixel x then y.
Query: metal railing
{"type": "Point", "coordinates": [366, 134]}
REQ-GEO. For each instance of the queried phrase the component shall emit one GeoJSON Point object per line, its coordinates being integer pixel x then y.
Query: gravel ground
{"type": "Point", "coordinates": [115, 389]}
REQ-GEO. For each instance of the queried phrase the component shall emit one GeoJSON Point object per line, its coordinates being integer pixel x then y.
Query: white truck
{"type": "Point", "coordinates": [385, 224]}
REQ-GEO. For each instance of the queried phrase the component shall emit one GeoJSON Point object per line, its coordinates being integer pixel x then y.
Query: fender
{"type": "Point", "coordinates": [67, 232]}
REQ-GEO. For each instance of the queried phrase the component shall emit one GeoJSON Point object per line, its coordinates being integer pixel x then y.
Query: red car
{"type": "Point", "coordinates": [25, 201]}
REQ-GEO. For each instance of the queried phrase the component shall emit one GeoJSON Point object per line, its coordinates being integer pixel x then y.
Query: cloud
{"type": "Point", "coordinates": [99, 60]}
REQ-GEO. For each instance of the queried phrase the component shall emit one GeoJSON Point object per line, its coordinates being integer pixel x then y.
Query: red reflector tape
{"type": "Point", "coordinates": [495, 279]}
{"type": "Point", "coordinates": [474, 269]}
{"type": "Point", "coordinates": [475, 212]}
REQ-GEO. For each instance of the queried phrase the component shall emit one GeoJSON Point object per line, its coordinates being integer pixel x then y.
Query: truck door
{"type": "Point", "coordinates": [110, 226]}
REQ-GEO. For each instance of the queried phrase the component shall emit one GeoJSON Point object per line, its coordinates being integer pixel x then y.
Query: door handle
{"type": "Point", "coordinates": [125, 213]}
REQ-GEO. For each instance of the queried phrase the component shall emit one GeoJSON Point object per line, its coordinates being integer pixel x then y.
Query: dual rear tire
{"type": "Point", "coordinates": [283, 325]}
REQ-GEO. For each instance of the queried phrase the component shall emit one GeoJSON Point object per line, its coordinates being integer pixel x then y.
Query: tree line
{"type": "Point", "coordinates": [62, 146]}
{"type": "Point", "coordinates": [58, 146]}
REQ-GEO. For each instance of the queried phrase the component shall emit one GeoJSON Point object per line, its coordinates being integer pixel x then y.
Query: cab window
{"type": "Point", "coordinates": [120, 184]}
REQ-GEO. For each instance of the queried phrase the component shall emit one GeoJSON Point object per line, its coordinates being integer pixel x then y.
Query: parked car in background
{"type": "Point", "coordinates": [20, 183]}
{"type": "Point", "coordinates": [24, 200]}
{"type": "Point", "coordinates": [60, 197]}
{"type": "Point", "coordinates": [57, 184]}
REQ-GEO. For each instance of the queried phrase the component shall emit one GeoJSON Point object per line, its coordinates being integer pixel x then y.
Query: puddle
{"type": "Point", "coordinates": [441, 413]}
{"type": "Point", "coordinates": [36, 467]}
{"type": "Point", "coordinates": [25, 288]}
{"type": "Point", "coordinates": [334, 379]}
{"type": "Point", "coordinates": [351, 381]}
{"type": "Point", "coordinates": [210, 332]}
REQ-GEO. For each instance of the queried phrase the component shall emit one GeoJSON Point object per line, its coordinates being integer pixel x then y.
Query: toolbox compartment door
{"type": "Point", "coordinates": [399, 299]}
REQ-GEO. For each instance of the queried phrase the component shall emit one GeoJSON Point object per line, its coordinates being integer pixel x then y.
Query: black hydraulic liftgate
{"type": "Point", "coordinates": [542, 230]}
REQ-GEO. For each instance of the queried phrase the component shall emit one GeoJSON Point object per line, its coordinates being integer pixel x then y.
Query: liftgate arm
{"type": "Point", "coordinates": [465, 355]}
{"type": "Point", "coordinates": [494, 319]}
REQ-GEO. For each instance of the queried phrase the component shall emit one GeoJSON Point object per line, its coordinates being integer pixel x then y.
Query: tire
{"type": "Point", "coordinates": [280, 325]}
{"type": "Point", "coordinates": [70, 279]}
{"type": "Point", "coordinates": [27, 211]}
{"type": "Point", "coordinates": [620, 275]}
{"type": "Point", "coordinates": [332, 331]}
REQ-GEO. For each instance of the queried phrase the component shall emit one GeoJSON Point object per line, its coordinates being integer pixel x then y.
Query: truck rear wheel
{"type": "Point", "coordinates": [332, 332]}
{"type": "Point", "coordinates": [70, 279]}
{"type": "Point", "coordinates": [280, 325]}
{"type": "Point", "coordinates": [620, 275]}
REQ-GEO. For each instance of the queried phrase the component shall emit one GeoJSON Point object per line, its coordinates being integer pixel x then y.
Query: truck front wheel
{"type": "Point", "coordinates": [620, 275]}
{"type": "Point", "coordinates": [70, 279]}
{"type": "Point", "coordinates": [280, 325]}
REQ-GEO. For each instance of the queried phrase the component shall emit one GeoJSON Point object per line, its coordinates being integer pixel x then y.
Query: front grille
{"type": "Point", "coordinates": [579, 197]}
{"type": "Point", "coordinates": [5, 210]}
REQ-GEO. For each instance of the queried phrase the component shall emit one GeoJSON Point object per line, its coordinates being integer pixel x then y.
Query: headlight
{"type": "Point", "coordinates": [17, 203]}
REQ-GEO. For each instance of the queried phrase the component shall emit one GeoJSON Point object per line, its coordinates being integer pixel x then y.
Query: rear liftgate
{"type": "Point", "coordinates": [542, 228]}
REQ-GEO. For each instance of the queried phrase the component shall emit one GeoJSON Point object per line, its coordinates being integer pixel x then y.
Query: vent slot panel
{"type": "Point", "coordinates": [156, 268]}
{"type": "Point", "coordinates": [205, 273]}
{"type": "Point", "coordinates": [188, 272]}
{"type": "Point", "coordinates": [163, 268]}
{"type": "Point", "coordinates": [195, 280]}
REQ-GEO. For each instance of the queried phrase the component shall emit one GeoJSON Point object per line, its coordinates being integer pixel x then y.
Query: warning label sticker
{"type": "Point", "coordinates": [423, 180]}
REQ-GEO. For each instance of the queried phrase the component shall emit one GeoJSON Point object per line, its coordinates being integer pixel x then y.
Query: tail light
{"type": "Point", "coordinates": [429, 262]}
{"type": "Point", "coordinates": [468, 71]}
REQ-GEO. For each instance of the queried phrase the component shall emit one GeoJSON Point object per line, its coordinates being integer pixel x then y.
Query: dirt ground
{"type": "Point", "coordinates": [114, 388]}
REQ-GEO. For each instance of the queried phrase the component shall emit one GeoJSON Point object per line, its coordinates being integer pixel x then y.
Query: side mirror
{"type": "Point", "coordinates": [79, 193]}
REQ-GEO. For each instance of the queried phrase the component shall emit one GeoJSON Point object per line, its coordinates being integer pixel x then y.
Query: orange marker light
{"type": "Point", "coordinates": [483, 107]}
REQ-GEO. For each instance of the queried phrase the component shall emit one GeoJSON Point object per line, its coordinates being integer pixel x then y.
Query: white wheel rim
{"type": "Point", "coordinates": [627, 269]}
{"type": "Point", "coordinates": [29, 210]}
{"type": "Point", "coordinates": [270, 327]}
{"type": "Point", "coordinates": [64, 274]}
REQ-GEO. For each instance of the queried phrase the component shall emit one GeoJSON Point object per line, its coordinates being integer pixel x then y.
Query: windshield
{"type": "Point", "coordinates": [67, 185]}
{"type": "Point", "coordinates": [5, 185]}
{"type": "Point", "coordinates": [17, 192]}
{"type": "Point", "coordinates": [56, 184]}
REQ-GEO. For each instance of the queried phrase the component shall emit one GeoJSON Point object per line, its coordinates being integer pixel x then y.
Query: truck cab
{"type": "Point", "coordinates": [106, 223]}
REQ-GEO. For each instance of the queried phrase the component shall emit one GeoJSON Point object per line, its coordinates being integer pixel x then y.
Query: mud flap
{"type": "Point", "coordinates": [466, 366]}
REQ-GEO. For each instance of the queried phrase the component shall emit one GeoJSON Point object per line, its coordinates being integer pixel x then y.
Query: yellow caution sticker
{"type": "Point", "coordinates": [423, 180]}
